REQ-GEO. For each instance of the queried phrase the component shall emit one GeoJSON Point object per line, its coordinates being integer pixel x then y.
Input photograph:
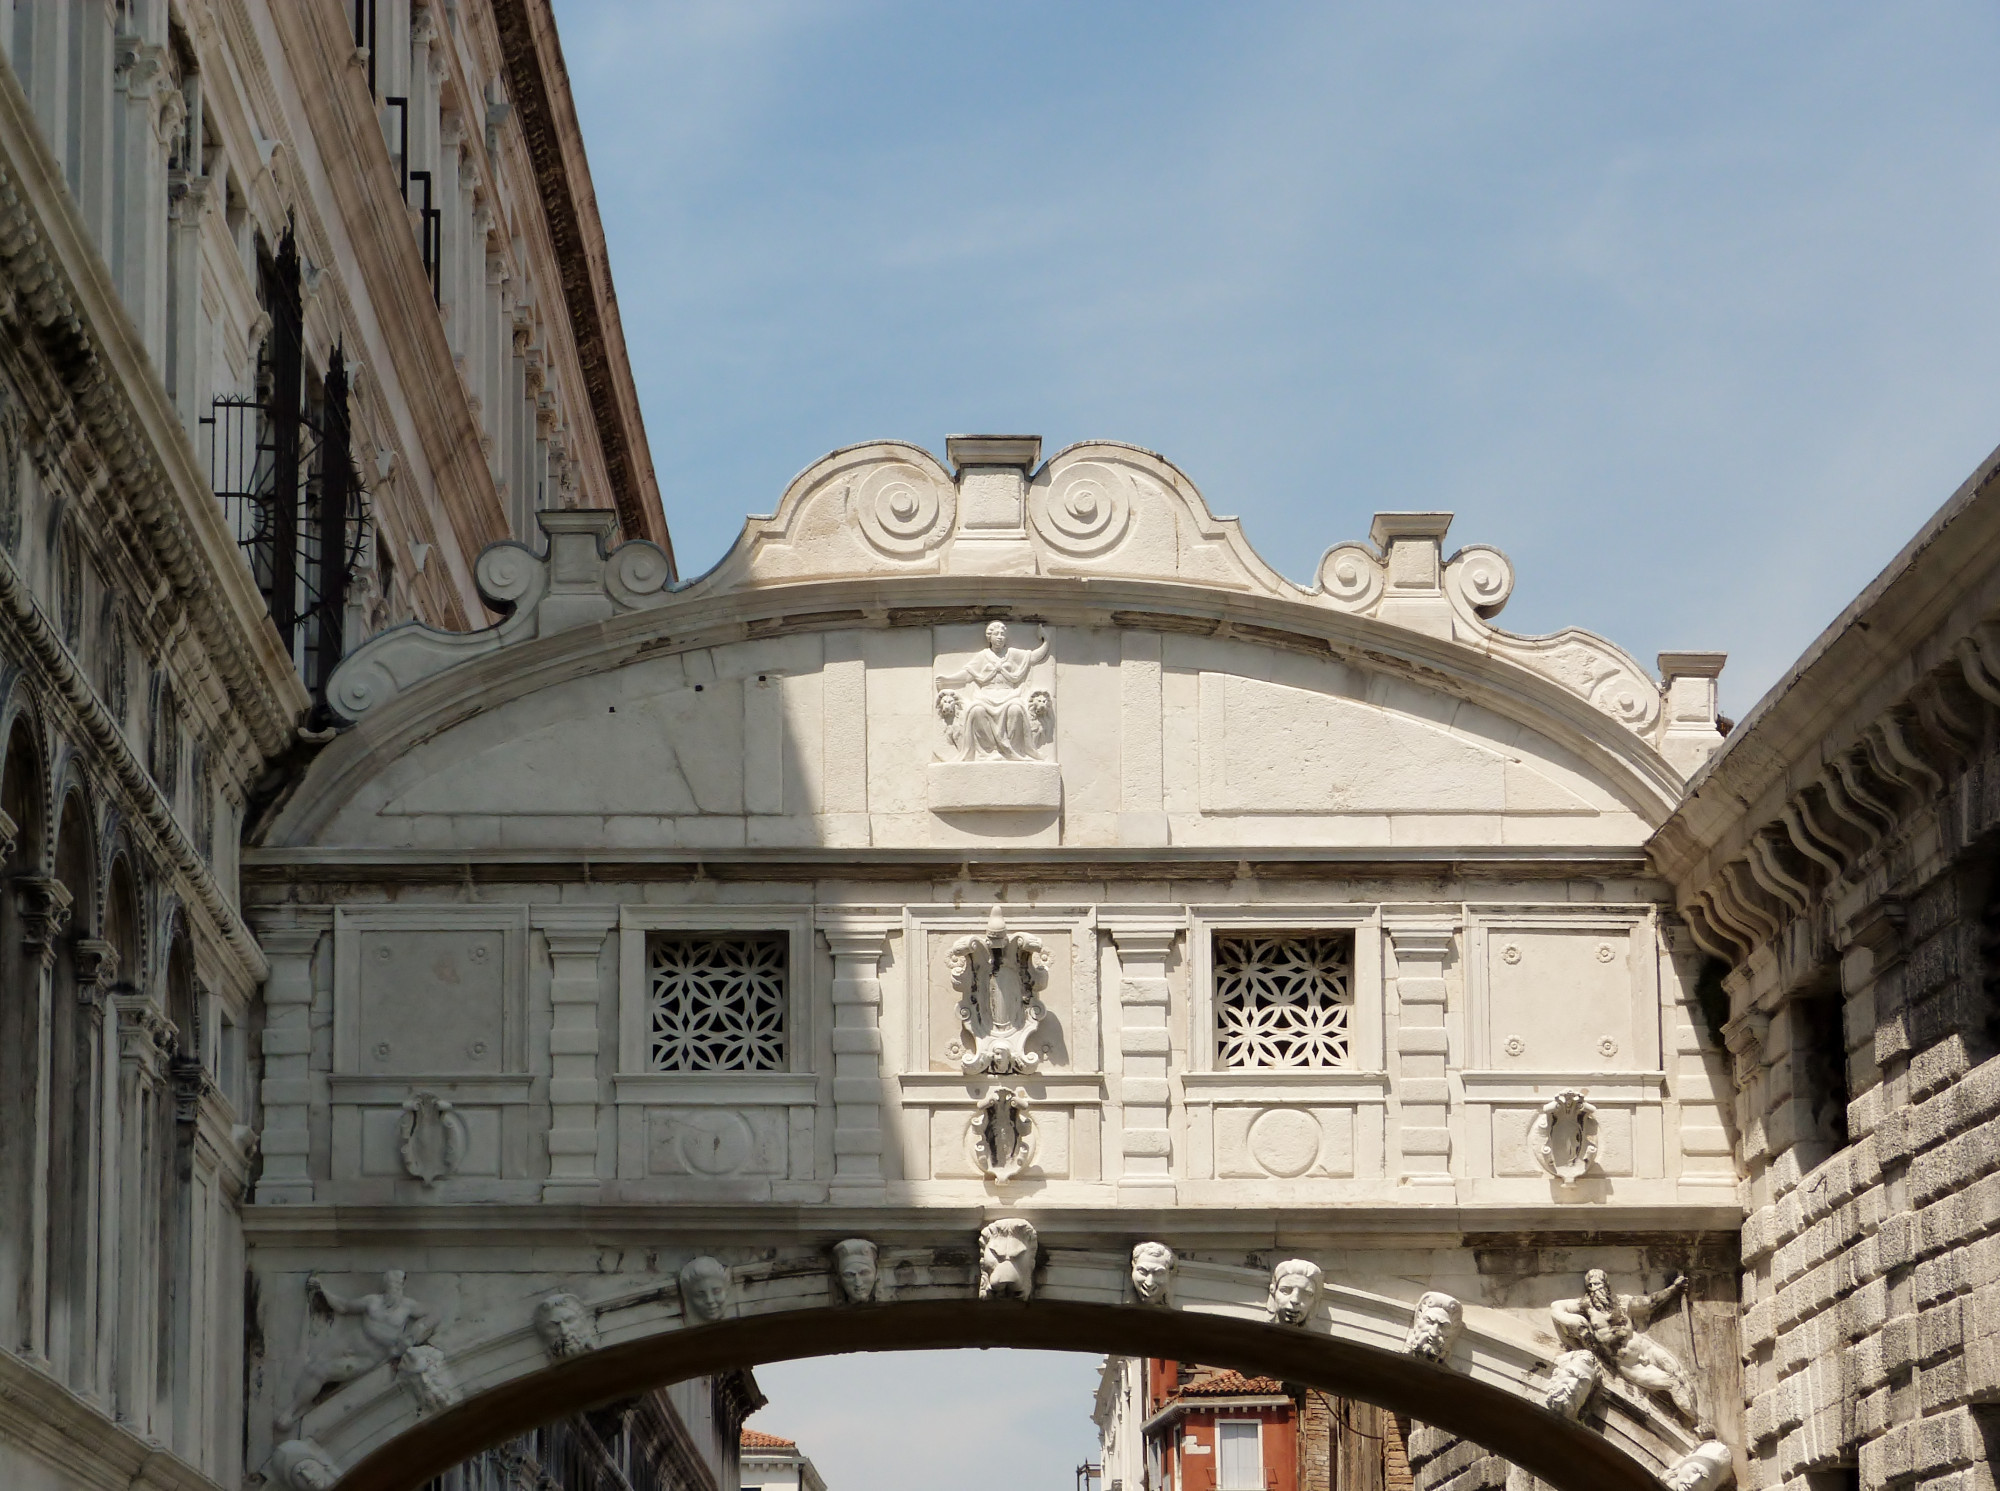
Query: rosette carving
{"type": "Point", "coordinates": [1084, 511]}
{"type": "Point", "coordinates": [902, 509]}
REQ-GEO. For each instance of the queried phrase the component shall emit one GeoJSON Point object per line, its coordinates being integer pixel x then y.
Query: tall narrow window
{"type": "Point", "coordinates": [1284, 1000]}
{"type": "Point", "coordinates": [716, 1003]}
{"type": "Point", "coordinates": [1239, 1455]}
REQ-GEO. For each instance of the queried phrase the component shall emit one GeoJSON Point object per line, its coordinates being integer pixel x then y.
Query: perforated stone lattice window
{"type": "Point", "coordinates": [1284, 1000]}
{"type": "Point", "coordinates": [716, 1002]}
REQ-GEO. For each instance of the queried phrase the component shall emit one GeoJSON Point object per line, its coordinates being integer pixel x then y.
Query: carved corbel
{"type": "Point", "coordinates": [1710, 899]}
{"type": "Point", "coordinates": [1708, 938]}
{"type": "Point", "coordinates": [1808, 838]}
{"type": "Point", "coordinates": [1878, 927]}
{"type": "Point", "coordinates": [1941, 716]}
{"type": "Point", "coordinates": [1744, 902]}
{"type": "Point", "coordinates": [1881, 816]}
{"type": "Point", "coordinates": [45, 905]}
{"type": "Point", "coordinates": [1744, 1036]}
{"type": "Point", "coordinates": [96, 965]}
{"type": "Point", "coordinates": [1765, 869]}
{"type": "Point", "coordinates": [1890, 765]}
{"type": "Point", "coordinates": [1973, 666]}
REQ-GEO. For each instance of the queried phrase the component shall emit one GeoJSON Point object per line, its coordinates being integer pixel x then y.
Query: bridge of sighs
{"type": "Point", "coordinates": [992, 907]}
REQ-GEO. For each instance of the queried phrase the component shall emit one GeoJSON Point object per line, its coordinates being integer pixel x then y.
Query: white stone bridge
{"type": "Point", "coordinates": [798, 904]}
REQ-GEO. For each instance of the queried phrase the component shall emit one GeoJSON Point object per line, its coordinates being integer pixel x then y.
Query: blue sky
{"type": "Point", "coordinates": [1689, 307]}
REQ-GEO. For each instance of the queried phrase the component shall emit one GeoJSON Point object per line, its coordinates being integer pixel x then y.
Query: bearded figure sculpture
{"type": "Point", "coordinates": [566, 1325]}
{"type": "Point", "coordinates": [1434, 1330]}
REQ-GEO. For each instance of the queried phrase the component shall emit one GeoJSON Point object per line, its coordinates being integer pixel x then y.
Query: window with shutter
{"type": "Point", "coordinates": [1240, 1446]}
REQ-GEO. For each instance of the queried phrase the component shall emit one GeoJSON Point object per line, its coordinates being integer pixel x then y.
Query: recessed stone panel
{"type": "Point", "coordinates": [431, 1001]}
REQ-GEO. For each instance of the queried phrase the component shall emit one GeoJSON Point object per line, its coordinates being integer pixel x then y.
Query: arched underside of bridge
{"type": "Point", "coordinates": [786, 1306]}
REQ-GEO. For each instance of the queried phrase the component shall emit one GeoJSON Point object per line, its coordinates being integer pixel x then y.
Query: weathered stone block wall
{"type": "Point", "coordinates": [1871, 1280]}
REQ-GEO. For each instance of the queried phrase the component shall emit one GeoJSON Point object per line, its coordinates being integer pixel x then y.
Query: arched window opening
{"type": "Point", "coordinates": [21, 909]}
{"type": "Point", "coordinates": [73, 1112]}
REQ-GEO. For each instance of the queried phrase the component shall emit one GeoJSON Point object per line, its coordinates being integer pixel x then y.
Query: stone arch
{"type": "Point", "coordinates": [123, 924]}
{"type": "Point", "coordinates": [785, 1304]}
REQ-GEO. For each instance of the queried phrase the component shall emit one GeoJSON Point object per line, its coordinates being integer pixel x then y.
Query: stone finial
{"type": "Point", "coordinates": [1434, 1329]}
{"type": "Point", "coordinates": [1007, 1251]}
{"type": "Point", "coordinates": [1690, 721]}
{"type": "Point", "coordinates": [1294, 1291]}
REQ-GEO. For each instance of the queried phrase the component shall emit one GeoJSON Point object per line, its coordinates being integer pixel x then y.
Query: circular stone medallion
{"type": "Point", "coordinates": [1284, 1141]}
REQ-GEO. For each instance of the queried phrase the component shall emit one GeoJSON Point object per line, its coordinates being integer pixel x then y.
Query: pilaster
{"type": "Point", "coordinates": [145, 1139]}
{"type": "Point", "coordinates": [1146, 1151]}
{"type": "Point", "coordinates": [575, 935]}
{"type": "Point", "coordinates": [1422, 1052]}
{"type": "Point", "coordinates": [857, 946]}
{"type": "Point", "coordinates": [96, 967]}
{"type": "Point", "coordinates": [288, 1040]}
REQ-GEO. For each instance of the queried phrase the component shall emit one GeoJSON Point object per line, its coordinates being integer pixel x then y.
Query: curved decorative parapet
{"type": "Point", "coordinates": [888, 510]}
{"type": "Point", "coordinates": [517, 1353]}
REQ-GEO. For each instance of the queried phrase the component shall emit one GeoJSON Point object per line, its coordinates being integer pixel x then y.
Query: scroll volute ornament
{"type": "Point", "coordinates": [996, 976]}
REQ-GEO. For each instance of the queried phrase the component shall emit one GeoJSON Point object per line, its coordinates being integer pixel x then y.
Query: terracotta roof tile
{"type": "Point", "coordinates": [1215, 1383]}
{"type": "Point", "coordinates": [756, 1439]}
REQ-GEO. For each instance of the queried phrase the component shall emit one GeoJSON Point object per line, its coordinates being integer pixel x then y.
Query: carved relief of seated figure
{"type": "Point", "coordinates": [996, 717]}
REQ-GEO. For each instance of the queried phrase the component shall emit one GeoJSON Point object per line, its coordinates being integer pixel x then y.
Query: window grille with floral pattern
{"type": "Point", "coordinates": [1284, 1000]}
{"type": "Point", "coordinates": [716, 1002]}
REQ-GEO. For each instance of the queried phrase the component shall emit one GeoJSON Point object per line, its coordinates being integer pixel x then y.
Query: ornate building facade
{"type": "Point", "coordinates": [301, 306]}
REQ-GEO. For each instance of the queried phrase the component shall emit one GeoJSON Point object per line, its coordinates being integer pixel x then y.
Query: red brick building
{"type": "Point", "coordinates": [1177, 1426]}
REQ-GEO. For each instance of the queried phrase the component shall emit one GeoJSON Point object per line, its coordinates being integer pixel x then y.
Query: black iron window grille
{"type": "Point", "coordinates": [430, 217]}
{"type": "Point", "coordinates": [282, 465]}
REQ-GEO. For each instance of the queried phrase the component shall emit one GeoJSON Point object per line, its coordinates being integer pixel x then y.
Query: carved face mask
{"type": "Point", "coordinates": [857, 1277]}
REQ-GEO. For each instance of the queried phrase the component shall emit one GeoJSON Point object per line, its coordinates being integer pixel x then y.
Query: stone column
{"type": "Point", "coordinates": [189, 197]}
{"type": "Point", "coordinates": [857, 948]}
{"type": "Point", "coordinates": [1422, 1054]}
{"type": "Point", "coordinates": [145, 1037]}
{"type": "Point", "coordinates": [1146, 1159]}
{"type": "Point", "coordinates": [96, 965]}
{"type": "Point", "coordinates": [288, 1041]}
{"type": "Point", "coordinates": [576, 940]}
{"type": "Point", "coordinates": [44, 905]}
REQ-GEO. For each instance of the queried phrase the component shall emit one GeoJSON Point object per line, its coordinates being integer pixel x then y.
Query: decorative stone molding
{"type": "Point", "coordinates": [1000, 1137]}
{"type": "Point", "coordinates": [706, 1286]}
{"type": "Point", "coordinates": [1435, 1327]}
{"type": "Point", "coordinates": [1563, 1137]}
{"type": "Point", "coordinates": [44, 904]}
{"type": "Point", "coordinates": [1007, 1254]}
{"type": "Point", "coordinates": [856, 1270]}
{"type": "Point", "coordinates": [996, 977]}
{"type": "Point", "coordinates": [1152, 1273]}
{"type": "Point", "coordinates": [432, 1137]}
{"type": "Point", "coordinates": [1573, 1377]}
{"type": "Point", "coordinates": [1295, 1286]}
{"type": "Point", "coordinates": [567, 1326]}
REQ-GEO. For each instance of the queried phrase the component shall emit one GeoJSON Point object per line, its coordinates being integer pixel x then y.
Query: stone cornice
{"type": "Point", "coordinates": [538, 84]}
{"type": "Point", "coordinates": [1862, 738]}
{"type": "Point", "coordinates": [1392, 1225]}
{"type": "Point", "coordinates": [81, 1444]}
{"type": "Point", "coordinates": [55, 276]}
